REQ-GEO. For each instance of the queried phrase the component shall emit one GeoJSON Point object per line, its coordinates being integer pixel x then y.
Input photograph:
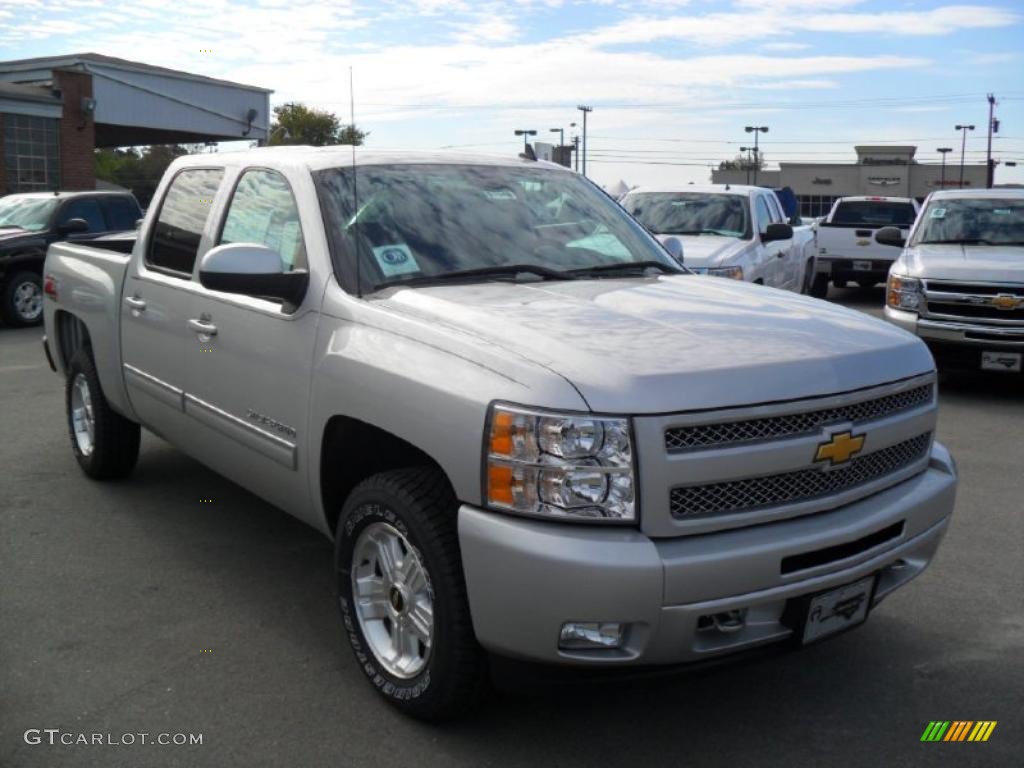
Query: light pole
{"type": "Point", "coordinates": [561, 135]}
{"type": "Point", "coordinates": [525, 133]}
{"type": "Point", "coordinates": [993, 127]}
{"type": "Point", "coordinates": [963, 149]}
{"type": "Point", "coordinates": [747, 165]}
{"type": "Point", "coordinates": [943, 151]}
{"type": "Point", "coordinates": [756, 129]}
{"type": "Point", "coordinates": [585, 110]}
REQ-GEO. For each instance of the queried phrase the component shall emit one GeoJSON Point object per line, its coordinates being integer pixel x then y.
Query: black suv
{"type": "Point", "coordinates": [29, 222]}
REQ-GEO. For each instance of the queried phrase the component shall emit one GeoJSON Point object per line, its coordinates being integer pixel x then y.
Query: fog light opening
{"type": "Point", "coordinates": [591, 635]}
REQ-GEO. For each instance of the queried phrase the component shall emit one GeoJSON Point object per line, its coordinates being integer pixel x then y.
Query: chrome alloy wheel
{"type": "Point", "coordinates": [393, 599]}
{"type": "Point", "coordinates": [83, 424]}
{"type": "Point", "coordinates": [28, 301]}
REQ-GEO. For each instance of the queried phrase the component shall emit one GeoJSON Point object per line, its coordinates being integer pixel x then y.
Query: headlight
{"type": "Point", "coordinates": [736, 273]}
{"type": "Point", "coordinates": [904, 293]}
{"type": "Point", "coordinates": [564, 466]}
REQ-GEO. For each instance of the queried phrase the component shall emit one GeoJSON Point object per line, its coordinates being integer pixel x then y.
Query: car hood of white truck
{"type": "Point", "coordinates": [664, 344]}
{"type": "Point", "coordinates": [964, 263]}
{"type": "Point", "coordinates": [702, 251]}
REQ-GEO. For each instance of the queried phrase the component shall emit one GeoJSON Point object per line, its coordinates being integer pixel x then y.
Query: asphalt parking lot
{"type": "Point", "coordinates": [136, 607]}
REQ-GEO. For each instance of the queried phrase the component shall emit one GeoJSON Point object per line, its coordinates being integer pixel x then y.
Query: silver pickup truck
{"type": "Point", "coordinates": [527, 429]}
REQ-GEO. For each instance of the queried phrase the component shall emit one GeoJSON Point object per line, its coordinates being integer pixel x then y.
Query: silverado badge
{"type": "Point", "coordinates": [839, 448]}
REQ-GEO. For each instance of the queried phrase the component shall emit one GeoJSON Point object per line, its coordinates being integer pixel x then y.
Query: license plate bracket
{"type": "Point", "coordinates": [828, 613]}
{"type": "Point", "coordinates": [992, 360]}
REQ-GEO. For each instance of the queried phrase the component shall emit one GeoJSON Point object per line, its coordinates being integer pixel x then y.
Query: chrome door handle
{"type": "Point", "coordinates": [135, 303]}
{"type": "Point", "coordinates": [203, 327]}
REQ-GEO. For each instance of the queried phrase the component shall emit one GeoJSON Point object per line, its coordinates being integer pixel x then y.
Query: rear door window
{"type": "Point", "coordinates": [84, 208]}
{"type": "Point", "coordinates": [182, 219]}
{"type": "Point", "coordinates": [873, 213]}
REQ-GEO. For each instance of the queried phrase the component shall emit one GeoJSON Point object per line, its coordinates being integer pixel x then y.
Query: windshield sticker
{"type": "Point", "coordinates": [938, 213]}
{"type": "Point", "coordinates": [395, 260]}
{"type": "Point", "coordinates": [500, 194]}
{"type": "Point", "coordinates": [1001, 211]}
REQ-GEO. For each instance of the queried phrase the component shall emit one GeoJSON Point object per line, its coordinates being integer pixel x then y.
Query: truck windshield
{"type": "Point", "coordinates": [690, 213]}
{"type": "Point", "coordinates": [972, 221]}
{"type": "Point", "coordinates": [873, 213]}
{"type": "Point", "coordinates": [27, 212]}
{"type": "Point", "coordinates": [417, 224]}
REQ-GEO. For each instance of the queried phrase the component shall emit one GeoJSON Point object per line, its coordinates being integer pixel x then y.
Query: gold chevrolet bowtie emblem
{"type": "Point", "coordinates": [1006, 301]}
{"type": "Point", "coordinates": [839, 448]}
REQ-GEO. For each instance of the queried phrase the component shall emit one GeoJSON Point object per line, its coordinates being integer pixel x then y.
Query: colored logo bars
{"type": "Point", "coordinates": [958, 730]}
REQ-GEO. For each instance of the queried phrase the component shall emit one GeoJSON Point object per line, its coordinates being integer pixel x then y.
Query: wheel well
{"type": "Point", "coordinates": [72, 335]}
{"type": "Point", "coordinates": [352, 451]}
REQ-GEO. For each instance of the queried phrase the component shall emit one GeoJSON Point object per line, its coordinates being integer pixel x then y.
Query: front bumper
{"type": "Point", "coordinates": [958, 344]}
{"type": "Point", "coordinates": [526, 578]}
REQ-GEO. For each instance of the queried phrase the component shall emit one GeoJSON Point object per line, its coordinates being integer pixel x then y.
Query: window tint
{"type": "Point", "coordinates": [121, 212]}
{"type": "Point", "coordinates": [690, 213]}
{"type": "Point", "coordinates": [183, 214]}
{"type": "Point", "coordinates": [263, 211]}
{"type": "Point", "coordinates": [874, 213]}
{"type": "Point", "coordinates": [764, 217]}
{"type": "Point", "coordinates": [84, 208]}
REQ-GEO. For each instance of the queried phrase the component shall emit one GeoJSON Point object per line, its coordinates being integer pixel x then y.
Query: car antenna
{"type": "Point", "coordinates": [355, 181]}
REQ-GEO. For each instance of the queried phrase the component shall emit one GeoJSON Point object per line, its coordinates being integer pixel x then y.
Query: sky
{"type": "Point", "coordinates": [672, 83]}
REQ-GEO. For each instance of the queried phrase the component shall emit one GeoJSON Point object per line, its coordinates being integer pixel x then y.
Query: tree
{"type": "Point", "coordinates": [296, 123]}
{"type": "Point", "coordinates": [137, 169]}
{"type": "Point", "coordinates": [743, 163]}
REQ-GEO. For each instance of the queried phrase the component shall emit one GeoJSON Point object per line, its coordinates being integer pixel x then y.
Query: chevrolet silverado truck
{"type": "Point", "coordinates": [959, 283]}
{"type": "Point", "coordinates": [847, 248]}
{"type": "Point", "coordinates": [728, 230]}
{"type": "Point", "coordinates": [30, 222]}
{"type": "Point", "coordinates": [528, 431]}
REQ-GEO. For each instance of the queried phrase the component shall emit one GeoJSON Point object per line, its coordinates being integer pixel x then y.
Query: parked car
{"type": "Point", "coordinates": [529, 431]}
{"type": "Point", "coordinates": [847, 249]}
{"type": "Point", "coordinates": [959, 283]}
{"type": "Point", "coordinates": [727, 231]}
{"type": "Point", "coordinates": [30, 222]}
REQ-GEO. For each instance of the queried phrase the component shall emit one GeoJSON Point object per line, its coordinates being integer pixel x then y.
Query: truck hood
{"type": "Point", "coordinates": [968, 263]}
{"type": "Point", "coordinates": [15, 237]}
{"type": "Point", "coordinates": [701, 251]}
{"type": "Point", "coordinates": [673, 343]}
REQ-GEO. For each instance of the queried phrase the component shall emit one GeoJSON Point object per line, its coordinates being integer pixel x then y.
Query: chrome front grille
{"type": "Point", "coordinates": [703, 436]}
{"type": "Point", "coordinates": [748, 494]}
{"type": "Point", "coordinates": [984, 303]}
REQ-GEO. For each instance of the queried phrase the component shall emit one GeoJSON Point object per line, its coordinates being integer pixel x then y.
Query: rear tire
{"type": "Point", "coordinates": [21, 301]}
{"type": "Point", "coordinates": [410, 628]}
{"type": "Point", "coordinates": [105, 443]}
{"type": "Point", "coordinates": [867, 285]}
{"type": "Point", "coordinates": [819, 286]}
{"type": "Point", "coordinates": [840, 283]}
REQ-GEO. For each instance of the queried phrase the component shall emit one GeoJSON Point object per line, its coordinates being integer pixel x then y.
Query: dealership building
{"type": "Point", "coordinates": [879, 170]}
{"type": "Point", "coordinates": [55, 111]}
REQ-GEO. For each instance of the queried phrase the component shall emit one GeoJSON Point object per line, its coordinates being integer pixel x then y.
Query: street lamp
{"type": "Point", "coordinates": [585, 110]}
{"type": "Point", "coordinates": [963, 149]}
{"type": "Point", "coordinates": [943, 151]}
{"type": "Point", "coordinates": [747, 165]}
{"type": "Point", "coordinates": [524, 133]}
{"type": "Point", "coordinates": [561, 135]}
{"type": "Point", "coordinates": [756, 129]}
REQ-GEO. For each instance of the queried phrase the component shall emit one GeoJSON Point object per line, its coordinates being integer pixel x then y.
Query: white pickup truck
{"type": "Point", "coordinates": [527, 429]}
{"type": "Point", "coordinates": [959, 284]}
{"type": "Point", "coordinates": [847, 249]}
{"type": "Point", "coordinates": [729, 230]}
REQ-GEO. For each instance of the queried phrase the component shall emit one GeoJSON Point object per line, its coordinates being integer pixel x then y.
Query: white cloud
{"type": "Point", "coordinates": [782, 47]}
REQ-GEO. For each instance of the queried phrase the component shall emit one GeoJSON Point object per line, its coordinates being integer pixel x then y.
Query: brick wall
{"type": "Point", "coordinates": [77, 141]}
{"type": "Point", "coordinates": [3, 161]}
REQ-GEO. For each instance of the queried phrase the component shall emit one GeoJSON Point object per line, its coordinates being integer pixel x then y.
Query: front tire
{"type": "Point", "coordinates": [105, 443]}
{"type": "Point", "coordinates": [21, 302]}
{"type": "Point", "coordinates": [402, 593]}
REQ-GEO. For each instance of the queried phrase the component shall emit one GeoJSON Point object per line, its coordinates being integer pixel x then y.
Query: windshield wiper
{"type": "Point", "coordinates": [628, 266]}
{"type": "Point", "coordinates": [503, 270]}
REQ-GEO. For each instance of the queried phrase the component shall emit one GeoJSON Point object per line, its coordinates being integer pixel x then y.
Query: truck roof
{"type": "Point", "coordinates": [996, 192]}
{"type": "Point", "coordinates": [341, 156]}
{"type": "Point", "coordinates": [718, 189]}
{"type": "Point", "coordinates": [874, 199]}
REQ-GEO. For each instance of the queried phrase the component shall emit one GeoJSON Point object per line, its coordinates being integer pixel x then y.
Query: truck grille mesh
{"type": "Point", "coordinates": [806, 484]}
{"type": "Point", "coordinates": [776, 427]}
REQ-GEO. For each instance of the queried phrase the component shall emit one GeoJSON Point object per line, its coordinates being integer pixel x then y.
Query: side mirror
{"type": "Point", "coordinates": [73, 227]}
{"type": "Point", "coordinates": [777, 232]}
{"type": "Point", "coordinates": [890, 236]}
{"type": "Point", "coordinates": [674, 246]}
{"type": "Point", "coordinates": [252, 270]}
